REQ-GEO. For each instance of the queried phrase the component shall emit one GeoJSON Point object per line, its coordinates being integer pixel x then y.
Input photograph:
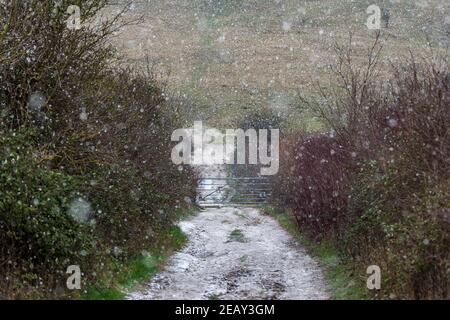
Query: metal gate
{"type": "Point", "coordinates": [233, 191]}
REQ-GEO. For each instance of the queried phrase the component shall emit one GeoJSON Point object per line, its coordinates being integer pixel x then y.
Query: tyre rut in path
{"type": "Point", "coordinates": [236, 253]}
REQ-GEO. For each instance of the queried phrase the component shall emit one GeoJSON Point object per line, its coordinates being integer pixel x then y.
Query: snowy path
{"type": "Point", "coordinates": [236, 253]}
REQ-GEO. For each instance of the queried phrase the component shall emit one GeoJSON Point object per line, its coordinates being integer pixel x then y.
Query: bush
{"type": "Point", "coordinates": [316, 183]}
{"type": "Point", "coordinates": [405, 234]}
{"type": "Point", "coordinates": [41, 56]}
{"type": "Point", "coordinates": [376, 184]}
{"type": "Point", "coordinates": [40, 230]}
{"type": "Point", "coordinates": [85, 144]}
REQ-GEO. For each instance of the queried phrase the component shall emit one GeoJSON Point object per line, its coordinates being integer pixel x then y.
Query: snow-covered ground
{"type": "Point", "coordinates": [260, 261]}
{"type": "Point", "coordinates": [236, 253]}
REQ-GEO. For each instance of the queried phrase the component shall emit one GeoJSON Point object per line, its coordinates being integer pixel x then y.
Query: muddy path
{"type": "Point", "coordinates": [236, 253]}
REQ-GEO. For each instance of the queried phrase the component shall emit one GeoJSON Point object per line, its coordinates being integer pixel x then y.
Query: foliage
{"type": "Point", "coordinates": [85, 143]}
{"type": "Point", "coordinates": [377, 183]}
{"type": "Point", "coordinates": [38, 231]}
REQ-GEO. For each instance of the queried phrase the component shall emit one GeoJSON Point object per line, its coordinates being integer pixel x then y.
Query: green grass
{"type": "Point", "coordinates": [214, 297]}
{"type": "Point", "coordinates": [342, 283]}
{"type": "Point", "coordinates": [131, 273]}
{"type": "Point", "coordinates": [142, 267]}
{"type": "Point", "coordinates": [237, 236]}
{"type": "Point", "coordinates": [96, 293]}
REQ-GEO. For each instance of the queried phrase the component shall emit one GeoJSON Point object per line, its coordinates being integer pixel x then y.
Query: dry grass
{"type": "Point", "coordinates": [227, 59]}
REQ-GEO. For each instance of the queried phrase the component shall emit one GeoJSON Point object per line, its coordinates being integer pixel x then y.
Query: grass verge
{"type": "Point", "coordinates": [341, 281]}
{"type": "Point", "coordinates": [138, 269]}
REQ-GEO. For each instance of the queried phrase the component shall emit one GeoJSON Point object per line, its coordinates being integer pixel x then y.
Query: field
{"type": "Point", "coordinates": [229, 57]}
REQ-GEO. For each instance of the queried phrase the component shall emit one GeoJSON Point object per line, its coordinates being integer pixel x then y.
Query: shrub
{"type": "Point", "coordinates": [318, 184]}
{"type": "Point", "coordinates": [405, 234]}
{"type": "Point", "coordinates": [40, 230]}
{"type": "Point", "coordinates": [41, 56]}
{"type": "Point", "coordinates": [376, 185]}
{"type": "Point", "coordinates": [85, 151]}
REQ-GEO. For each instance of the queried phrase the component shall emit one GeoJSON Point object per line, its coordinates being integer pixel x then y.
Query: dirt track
{"type": "Point", "coordinates": [237, 254]}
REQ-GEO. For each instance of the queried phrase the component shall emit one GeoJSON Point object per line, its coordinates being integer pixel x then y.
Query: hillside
{"type": "Point", "coordinates": [230, 56]}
